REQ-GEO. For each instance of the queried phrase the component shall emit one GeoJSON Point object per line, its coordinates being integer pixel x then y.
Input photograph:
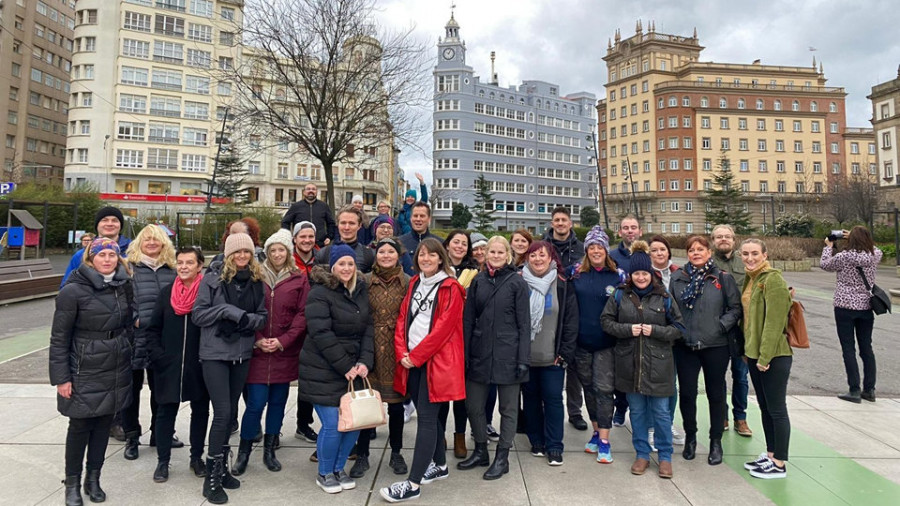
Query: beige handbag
{"type": "Point", "coordinates": [360, 409]}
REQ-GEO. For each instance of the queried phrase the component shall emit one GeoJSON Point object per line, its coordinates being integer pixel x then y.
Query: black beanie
{"type": "Point", "coordinates": [108, 211]}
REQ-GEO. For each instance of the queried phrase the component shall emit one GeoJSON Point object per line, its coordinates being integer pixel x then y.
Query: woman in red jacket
{"type": "Point", "coordinates": [429, 347]}
{"type": "Point", "coordinates": [276, 354]}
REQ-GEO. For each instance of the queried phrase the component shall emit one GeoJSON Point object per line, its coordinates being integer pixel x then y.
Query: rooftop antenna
{"type": "Point", "coordinates": [493, 74]}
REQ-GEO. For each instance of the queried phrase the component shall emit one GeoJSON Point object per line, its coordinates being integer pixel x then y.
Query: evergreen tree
{"type": "Point", "coordinates": [589, 216]}
{"type": "Point", "coordinates": [724, 200]}
{"type": "Point", "coordinates": [461, 216]}
{"type": "Point", "coordinates": [230, 177]}
{"type": "Point", "coordinates": [483, 209]}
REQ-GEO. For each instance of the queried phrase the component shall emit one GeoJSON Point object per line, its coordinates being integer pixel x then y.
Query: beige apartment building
{"type": "Point", "coordinates": [35, 59]}
{"type": "Point", "coordinates": [885, 98]}
{"type": "Point", "coordinates": [669, 119]}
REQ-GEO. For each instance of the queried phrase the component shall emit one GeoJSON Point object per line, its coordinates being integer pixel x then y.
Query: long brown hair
{"type": "Point", "coordinates": [520, 259]}
{"type": "Point", "coordinates": [433, 245]}
{"type": "Point", "coordinates": [860, 239]}
{"type": "Point", "coordinates": [586, 264]}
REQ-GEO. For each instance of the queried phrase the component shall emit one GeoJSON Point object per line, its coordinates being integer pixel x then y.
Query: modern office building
{"type": "Point", "coordinates": [885, 98]}
{"type": "Point", "coordinates": [669, 119]}
{"type": "Point", "coordinates": [531, 142]}
{"type": "Point", "coordinates": [35, 59]}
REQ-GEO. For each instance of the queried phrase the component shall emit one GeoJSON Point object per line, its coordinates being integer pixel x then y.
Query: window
{"type": "Point", "coordinates": [777, 105]}
{"type": "Point", "coordinates": [764, 186]}
{"type": "Point", "coordinates": [726, 144]}
{"type": "Point", "coordinates": [795, 106]}
{"type": "Point", "coordinates": [85, 127]}
{"type": "Point", "coordinates": [226, 63]}
{"type": "Point", "coordinates": [779, 166]}
{"type": "Point", "coordinates": [226, 38]}
{"type": "Point", "coordinates": [87, 99]}
{"type": "Point", "coordinates": [723, 103]}
{"type": "Point", "coordinates": [798, 146]}
{"type": "Point", "coordinates": [137, 21]}
{"type": "Point", "coordinates": [130, 131]}
{"type": "Point", "coordinates": [782, 187]}
{"type": "Point", "coordinates": [886, 140]}
{"type": "Point", "coordinates": [816, 147]}
{"type": "Point", "coordinates": [227, 13]}
{"type": "Point", "coordinates": [163, 159]}
{"type": "Point", "coordinates": [133, 103]}
{"type": "Point", "coordinates": [129, 159]}
{"type": "Point", "coordinates": [165, 106]}
{"type": "Point", "coordinates": [832, 107]}
{"type": "Point", "coordinates": [723, 123]}
{"type": "Point", "coordinates": [707, 164]}
{"type": "Point", "coordinates": [166, 79]}
{"type": "Point", "coordinates": [169, 52]}
{"type": "Point", "coordinates": [164, 133]}
{"type": "Point", "coordinates": [686, 143]}
{"type": "Point", "coordinates": [761, 145]}
{"type": "Point", "coordinates": [197, 84]}
{"type": "Point", "coordinates": [706, 143]}
{"type": "Point", "coordinates": [201, 8]}
{"type": "Point", "coordinates": [745, 166]}
{"type": "Point", "coordinates": [798, 167]}
{"type": "Point", "coordinates": [134, 75]}
{"type": "Point", "coordinates": [88, 71]}
{"type": "Point", "coordinates": [763, 166]}
{"type": "Point", "coordinates": [834, 127]}
{"type": "Point", "coordinates": [193, 163]}
{"type": "Point", "coordinates": [742, 104]}
{"type": "Point", "coordinates": [814, 127]}
{"type": "Point", "coordinates": [196, 110]}
{"type": "Point", "coordinates": [169, 25]}
{"type": "Point", "coordinates": [82, 155]}
{"type": "Point", "coordinates": [704, 122]}
{"type": "Point", "coordinates": [198, 58]}
{"type": "Point", "coordinates": [835, 148]}
{"type": "Point", "coordinates": [779, 145]}
{"type": "Point", "coordinates": [201, 33]}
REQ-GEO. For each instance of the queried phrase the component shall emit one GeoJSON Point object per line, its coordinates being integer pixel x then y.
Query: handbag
{"type": "Point", "coordinates": [360, 409]}
{"type": "Point", "coordinates": [795, 331]}
{"type": "Point", "coordinates": [878, 298]}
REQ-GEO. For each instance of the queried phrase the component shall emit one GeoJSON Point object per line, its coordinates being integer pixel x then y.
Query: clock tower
{"type": "Point", "coordinates": [451, 50]}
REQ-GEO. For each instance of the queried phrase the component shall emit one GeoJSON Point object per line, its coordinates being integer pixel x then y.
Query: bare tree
{"type": "Point", "coordinates": [862, 192]}
{"type": "Point", "coordinates": [839, 204]}
{"type": "Point", "coordinates": [321, 74]}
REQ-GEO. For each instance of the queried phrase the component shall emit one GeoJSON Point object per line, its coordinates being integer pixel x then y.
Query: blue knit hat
{"type": "Point", "coordinates": [596, 235]}
{"type": "Point", "coordinates": [410, 193]}
{"type": "Point", "coordinates": [640, 260]}
{"type": "Point", "coordinates": [339, 251]}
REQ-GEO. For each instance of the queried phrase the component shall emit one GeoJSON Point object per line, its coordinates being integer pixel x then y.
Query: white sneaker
{"type": "Point", "coordinates": [650, 433]}
{"type": "Point", "coordinates": [753, 464]}
{"type": "Point", "coordinates": [677, 437]}
{"type": "Point", "coordinates": [408, 410]}
{"type": "Point", "coordinates": [768, 470]}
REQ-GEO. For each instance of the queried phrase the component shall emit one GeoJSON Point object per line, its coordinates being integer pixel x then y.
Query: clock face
{"type": "Point", "coordinates": [449, 53]}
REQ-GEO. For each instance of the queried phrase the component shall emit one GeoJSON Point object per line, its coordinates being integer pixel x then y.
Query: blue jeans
{"type": "Point", "coordinates": [543, 405]}
{"type": "Point", "coordinates": [647, 411]}
{"type": "Point", "coordinates": [740, 387]}
{"type": "Point", "coordinates": [258, 396]}
{"type": "Point", "coordinates": [333, 447]}
{"type": "Point", "coordinates": [673, 401]}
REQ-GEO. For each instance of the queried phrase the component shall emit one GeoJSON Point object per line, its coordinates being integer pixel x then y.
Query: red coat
{"type": "Point", "coordinates": [442, 348]}
{"type": "Point", "coordinates": [287, 323]}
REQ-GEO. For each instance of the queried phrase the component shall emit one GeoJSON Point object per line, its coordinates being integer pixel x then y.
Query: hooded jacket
{"type": "Point", "coordinates": [621, 254]}
{"type": "Point", "coordinates": [715, 314]}
{"type": "Point", "coordinates": [570, 250]}
{"type": "Point", "coordinates": [77, 258]}
{"type": "Point", "coordinates": [403, 217]}
{"type": "Point", "coordinates": [286, 305]}
{"type": "Point", "coordinates": [90, 343]}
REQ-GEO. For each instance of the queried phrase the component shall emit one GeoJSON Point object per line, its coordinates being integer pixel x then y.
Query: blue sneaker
{"type": "Point", "coordinates": [604, 453]}
{"type": "Point", "coordinates": [593, 444]}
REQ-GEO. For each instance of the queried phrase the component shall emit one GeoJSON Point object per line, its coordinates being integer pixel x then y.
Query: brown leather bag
{"type": "Point", "coordinates": [796, 326]}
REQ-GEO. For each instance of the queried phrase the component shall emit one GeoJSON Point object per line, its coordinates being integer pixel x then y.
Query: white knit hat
{"type": "Point", "coordinates": [282, 237]}
{"type": "Point", "coordinates": [237, 242]}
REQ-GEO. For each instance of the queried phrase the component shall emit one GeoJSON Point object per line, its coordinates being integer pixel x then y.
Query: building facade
{"type": "Point", "coordinates": [35, 60]}
{"type": "Point", "coordinates": [885, 98]}
{"type": "Point", "coordinates": [669, 121]}
{"type": "Point", "coordinates": [531, 143]}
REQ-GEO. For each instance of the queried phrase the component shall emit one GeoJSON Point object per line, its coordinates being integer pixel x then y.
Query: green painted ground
{"type": "Point", "coordinates": [22, 344]}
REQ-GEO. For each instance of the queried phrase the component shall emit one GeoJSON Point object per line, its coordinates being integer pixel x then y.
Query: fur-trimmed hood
{"type": "Point", "coordinates": [320, 275]}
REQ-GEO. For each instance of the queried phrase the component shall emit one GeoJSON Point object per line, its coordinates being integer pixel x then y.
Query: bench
{"type": "Point", "coordinates": [22, 280]}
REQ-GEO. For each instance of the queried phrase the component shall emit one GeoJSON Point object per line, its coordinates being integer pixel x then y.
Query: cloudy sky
{"type": "Point", "coordinates": [563, 41]}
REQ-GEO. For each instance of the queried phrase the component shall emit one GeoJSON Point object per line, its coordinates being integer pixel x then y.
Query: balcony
{"type": "Point", "coordinates": [165, 113]}
{"type": "Point", "coordinates": [172, 6]}
{"type": "Point", "coordinates": [746, 86]}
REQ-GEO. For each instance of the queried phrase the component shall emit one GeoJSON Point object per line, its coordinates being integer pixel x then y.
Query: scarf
{"type": "Point", "coordinates": [538, 298]}
{"type": "Point", "coordinates": [760, 268]}
{"type": "Point", "coordinates": [152, 263]}
{"type": "Point", "coordinates": [386, 273]}
{"type": "Point", "coordinates": [694, 290]}
{"type": "Point", "coordinates": [643, 292]}
{"type": "Point", "coordinates": [273, 277]}
{"type": "Point", "coordinates": [182, 298]}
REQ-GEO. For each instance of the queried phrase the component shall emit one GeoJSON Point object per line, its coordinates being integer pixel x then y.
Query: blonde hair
{"type": "Point", "coordinates": [229, 269]}
{"type": "Point", "coordinates": [166, 255]}
{"type": "Point", "coordinates": [289, 262]}
{"type": "Point", "coordinates": [502, 240]}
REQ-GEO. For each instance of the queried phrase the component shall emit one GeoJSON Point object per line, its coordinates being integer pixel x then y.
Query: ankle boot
{"type": "Point", "coordinates": [229, 482]}
{"type": "Point", "coordinates": [73, 490]}
{"type": "Point", "coordinates": [479, 457]}
{"type": "Point", "coordinates": [132, 441]}
{"type": "Point", "coordinates": [500, 466]}
{"type": "Point", "coordinates": [459, 445]}
{"type": "Point", "coordinates": [690, 446]}
{"type": "Point", "coordinates": [715, 452]}
{"type": "Point", "coordinates": [92, 486]}
{"type": "Point", "coordinates": [212, 484]}
{"type": "Point", "coordinates": [198, 467]}
{"type": "Point", "coordinates": [243, 457]}
{"type": "Point", "coordinates": [269, 458]}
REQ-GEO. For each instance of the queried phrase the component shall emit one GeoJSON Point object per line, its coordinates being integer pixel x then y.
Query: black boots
{"type": "Point", "coordinates": [132, 441]}
{"type": "Point", "coordinates": [690, 446]}
{"type": "Point", "coordinates": [269, 458]}
{"type": "Point", "coordinates": [213, 490]}
{"type": "Point", "coordinates": [161, 475]}
{"type": "Point", "coordinates": [92, 486]}
{"type": "Point", "coordinates": [500, 466]}
{"type": "Point", "coordinates": [198, 468]}
{"type": "Point", "coordinates": [854, 396]}
{"type": "Point", "coordinates": [229, 482]}
{"type": "Point", "coordinates": [243, 457]}
{"type": "Point", "coordinates": [73, 490]}
{"type": "Point", "coordinates": [479, 457]}
{"type": "Point", "coordinates": [715, 452]}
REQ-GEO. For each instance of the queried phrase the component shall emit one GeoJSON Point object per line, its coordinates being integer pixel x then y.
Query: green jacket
{"type": "Point", "coordinates": [765, 323]}
{"type": "Point", "coordinates": [733, 265]}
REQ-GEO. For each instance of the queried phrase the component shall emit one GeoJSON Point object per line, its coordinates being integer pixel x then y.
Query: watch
{"type": "Point", "coordinates": [449, 53]}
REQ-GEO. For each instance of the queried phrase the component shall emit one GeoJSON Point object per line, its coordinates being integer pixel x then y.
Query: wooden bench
{"type": "Point", "coordinates": [27, 279]}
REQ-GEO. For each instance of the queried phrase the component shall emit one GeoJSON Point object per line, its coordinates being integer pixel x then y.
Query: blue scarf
{"type": "Point", "coordinates": [694, 290]}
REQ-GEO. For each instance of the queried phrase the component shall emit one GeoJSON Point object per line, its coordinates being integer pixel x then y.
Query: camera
{"type": "Point", "coordinates": [835, 235]}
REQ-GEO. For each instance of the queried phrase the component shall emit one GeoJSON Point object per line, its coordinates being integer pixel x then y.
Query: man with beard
{"type": "Point", "coordinates": [349, 222]}
{"type": "Point", "coordinates": [313, 210]}
{"type": "Point", "coordinates": [629, 231]}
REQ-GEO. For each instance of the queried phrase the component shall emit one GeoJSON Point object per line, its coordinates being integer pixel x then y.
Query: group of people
{"type": "Point", "coordinates": [467, 320]}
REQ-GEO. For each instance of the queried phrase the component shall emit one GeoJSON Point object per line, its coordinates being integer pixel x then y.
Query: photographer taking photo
{"type": "Point", "coordinates": [852, 310]}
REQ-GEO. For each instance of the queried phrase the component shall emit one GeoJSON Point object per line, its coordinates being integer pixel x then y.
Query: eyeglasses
{"type": "Point", "coordinates": [723, 237]}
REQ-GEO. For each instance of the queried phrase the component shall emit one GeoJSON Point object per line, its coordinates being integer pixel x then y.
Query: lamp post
{"type": "Point", "coordinates": [593, 140]}
{"type": "Point", "coordinates": [627, 174]}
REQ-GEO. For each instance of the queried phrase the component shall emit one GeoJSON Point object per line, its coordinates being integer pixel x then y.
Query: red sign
{"type": "Point", "coordinates": [148, 197]}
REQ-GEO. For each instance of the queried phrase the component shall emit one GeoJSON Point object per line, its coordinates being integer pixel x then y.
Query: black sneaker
{"type": "Point", "coordinates": [768, 470]}
{"type": "Point", "coordinates": [753, 464]}
{"type": "Point", "coordinates": [868, 395]}
{"type": "Point", "coordinates": [537, 451]}
{"type": "Point", "coordinates": [618, 418]}
{"type": "Point", "coordinates": [398, 464]}
{"type": "Point", "coordinates": [306, 433]}
{"type": "Point", "coordinates": [161, 475]}
{"type": "Point", "coordinates": [554, 458]}
{"type": "Point", "coordinates": [360, 467]}
{"type": "Point", "coordinates": [400, 491]}
{"type": "Point", "coordinates": [492, 433]}
{"type": "Point", "coordinates": [435, 473]}
{"type": "Point", "coordinates": [578, 422]}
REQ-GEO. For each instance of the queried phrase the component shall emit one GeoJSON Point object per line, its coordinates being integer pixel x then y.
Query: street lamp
{"type": "Point", "coordinates": [593, 140]}
{"type": "Point", "coordinates": [626, 172]}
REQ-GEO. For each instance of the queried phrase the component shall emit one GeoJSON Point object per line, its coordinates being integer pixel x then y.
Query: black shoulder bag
{"type": "Point", "coordinates": [878, 298]}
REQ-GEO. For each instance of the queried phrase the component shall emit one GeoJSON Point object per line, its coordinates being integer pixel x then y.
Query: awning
{"type": "Point", "coordinates": [27, 220]}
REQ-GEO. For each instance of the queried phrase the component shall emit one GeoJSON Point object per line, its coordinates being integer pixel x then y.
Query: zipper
{"type": "Point", "coordinates": [271, 325]}
{"type": "Point", "coordinates": [183, 350]}
{"type": "Point", "coordinates": [80, 360]}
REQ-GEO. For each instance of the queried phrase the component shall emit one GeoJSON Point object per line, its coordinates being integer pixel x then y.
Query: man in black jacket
{"type": "Point", "coordinates": [419, 220]}
{"type": "Point", "coordinates": [349, 223]}
{"type": "Point", "coordinates": [313, 210]}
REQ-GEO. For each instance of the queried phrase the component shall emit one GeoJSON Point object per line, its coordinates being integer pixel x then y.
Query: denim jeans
{"type": "Point", "coordinates": [854, 327]}
{"type": "Point", "coordinates": [740, 387]}
{"type": "Point", "coordinates": [544, 407]}
{"type": "Point", "coordinates": [649, 411]}
{"type": "Point", "coordinates": [333, 447]}
{"type": "Point", "coordinates": [673, 401]}
{"type": "Point", "coordinates": [258, 396]}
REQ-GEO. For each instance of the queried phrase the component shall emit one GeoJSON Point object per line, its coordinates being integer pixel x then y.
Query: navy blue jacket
{"type": "Point", "coordinates": [622, 256]}
{"type": "Point", "coordinates": [592, 289]}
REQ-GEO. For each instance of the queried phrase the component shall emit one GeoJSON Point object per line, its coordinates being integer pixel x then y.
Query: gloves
{"type": "Point", "coordinates": [245, 321]}
{"type": "Point", "coordinates": [521, 371]}
{"type": "Point", "coordinates": [227, 329]}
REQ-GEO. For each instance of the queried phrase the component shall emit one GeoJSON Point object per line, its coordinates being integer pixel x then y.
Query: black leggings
{"type": "Point", "coordinates": [395, 431]}
{"type": "Point", "coordinates": [714, 363]}
{"type": "Point", "coordinates": [429, 431]}
{"type": "Point", "coordinates": [771, 393]}
{"type": "Point", "coordinates": [854, 327]}
{"type": "Point", "coordinates": [165, 428]}
{"type": "Point", "coordinates": [224, 381]}
{"type": "Point", "coordinates": [459, 415]}
{"type": "Point", "coordinates": [89, 433]}
{"type": "Point", "coordinates": [131, 415]}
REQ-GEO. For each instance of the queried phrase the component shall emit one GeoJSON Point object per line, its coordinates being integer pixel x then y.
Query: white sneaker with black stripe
{"type": "Point", "coordinates": [400, 491]}
{"type": "Point", "coordinates": [768, 470]}
{"type": "Point", "coordinates": [435, 473]}
{"type": "Point", "coordinates": [753, 464]}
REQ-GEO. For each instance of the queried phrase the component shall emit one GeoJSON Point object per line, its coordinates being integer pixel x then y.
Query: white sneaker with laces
{"type": "Point", "coordinates": [753, 464]}
{"type": "Point", "coordinates": [677, 437]}
{"type": "Point", "coordinates": [435, 473]}
{"type": "Point", "coordinates": [768, 470]}
{"type": "Point", "coordinates": [400, 491]}
{"type": "Point", "coordinates": [408, 410]}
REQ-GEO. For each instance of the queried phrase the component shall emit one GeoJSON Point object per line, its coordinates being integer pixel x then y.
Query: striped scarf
{"type": "Point", "coordinates": [694, 290]}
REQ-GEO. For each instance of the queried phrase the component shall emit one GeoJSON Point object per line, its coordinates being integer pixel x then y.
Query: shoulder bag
{"type": "Point", "coordinates": [360, 409]}
{"type": "Point", "coordinates": [880, 300]}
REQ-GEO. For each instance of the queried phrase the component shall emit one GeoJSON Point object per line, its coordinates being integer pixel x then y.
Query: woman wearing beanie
{"type": "Point", "coordinates": [428, 342]}
{"type": "Point", "coordinates": [497, 325]}
{"type": "Point", "coordinates": [90, 360]}
{"type": "Point", "coordinates": [276, 352]}
{"type": "Point", "coordinates": [710, 302]}
{"type": "Point", "coordinates": [387, 287]}
{"type": "Point", "coordinates": [520, 240]}
{"type": "Point", "coordinates": [594, 281]}
{"type": "Point", "coordinates": [554, 330]}
{"type": "Point", "coordinates": [230, 308]}
{"type": "Point", "coordinates": [173, 344]}
{"type": "Point", "coordinates": [641, 316]}
{"type": "Point", "coordinates": [151, 257]}
{"type": "Point", "coordinates": [766, 300]}
{"type": "Point", "coordinates": [339, 348]}
{"type": "Point", "coordinates": [479, 247]}
{"type": "Point", "coordinates": [382, 228]}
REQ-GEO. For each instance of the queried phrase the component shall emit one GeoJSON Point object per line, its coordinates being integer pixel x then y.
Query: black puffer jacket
{"type": "Point", "coordinates": [90, 343]}
{"type": "Point", "coordinates": [497, 327]}
{"type": "Point", "coordinates": [715, 313]}
{"type": "Point", "coordinates": [147, 286]}
{"type": "Point", "coordinates": [173, 343]}
{"type": "Point", "coordinates": [341, 334]}
{"type": "Point", "coordinates": [644, 364]}
{"type": "Point", "coordinates": [211, 307]}
{"type": "Point", "coordinates": [365, 256]}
